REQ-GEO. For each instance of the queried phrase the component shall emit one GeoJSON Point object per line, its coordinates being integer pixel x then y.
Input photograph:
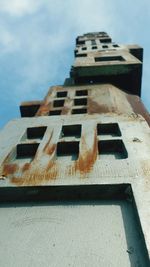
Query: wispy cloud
{"type": "Point", "coordinates": [19, 7]}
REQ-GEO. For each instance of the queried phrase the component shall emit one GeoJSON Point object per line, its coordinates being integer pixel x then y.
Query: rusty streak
{"type": "Point", "coordinates": [9, 169]}
{"type": "Point", "coordinates": [86, 159]}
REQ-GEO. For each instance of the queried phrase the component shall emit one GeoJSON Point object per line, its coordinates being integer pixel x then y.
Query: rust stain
{"type": "Point", "coordinates": [65, 111]}
{"type": "Point", "coordinates": [26, 167]}
{"type": "Point", "coordinates": [9, 169]}
{"type": "Point", "coordinates": [31, 103]}
{"type": "Point", "coordinates": [50, 148]}
{"type": "Point", "coordinates": [94, 107]}
{"type": "Point", "coordinates": [37, 177]}
{"type": "Point", "coordinates": [44, 109]}
{"type": "Point", "coordinates": [58, 88]}
{"type": "Point", "coordinates": [138, 107]}
{"type": "Point", "coordinates": [86, 160]}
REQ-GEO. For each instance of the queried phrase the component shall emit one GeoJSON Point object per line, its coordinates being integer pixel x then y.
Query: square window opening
{"type": "Point", "coordinates": [81, 92]}
{"type": "Point", "coordinates": [104, 46]}
{"type": "Point", "coordinates": [68, 149]}
{"type": "Point", "coordinates": [26, 150]}
{"type": "Point", "coordinates": [108, 129]}
{"type": "Point", "coordinates": [71, 130]}
{"type": "Point", "coordinates": [112, 149]}
{"type": "Point", "coordinates": [62, 94]}
{"type": "Point", "coordinates": [79, 111]}
{"type": "Point", "coordinates": [55, 112]}
{"type": "Point", "coordinates": [80, 102]}
{"type": "Point", "coordinates": [36, 132]}
{"type": "Point", "coordinates": [58, 103]}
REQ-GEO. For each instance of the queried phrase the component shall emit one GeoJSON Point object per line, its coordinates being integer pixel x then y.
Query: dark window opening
{"type": "Point", "coordinates": [104, 46]}
{"type": "Point", "coordinates": [81, 92]}
{"type": "Point", "coordinates": [58, 103]}
{"type": "Point", "coordinates": [81, 55]}
{"type": "Point", "coordinates": [115, 45]}
{"type": "Point", "coordinates": [93, 42]}
{"type": "Point", "coordinates": [55, 112]}
{"type": "Point", "coordinates": [112, 58]}
{"type": "Point", "coordinates": [26, 150]}
{"type": "Point", "coordinates": [29, 111]}
{"type": "Point", "coordinates": [84, 48]}
{"type": "Point", "coordinates": [68, 149]}
{"type": "Point", "coordinates": [71, 130]}
{"type": "Point", "coordinates": [108, 129]}
{"type": "Point", "coordinates": [79, 111]}
{"type": "Point", "coordinates": [105, 40]}
{"type": "Point", "coordinates": [94, 47]}
{"type": "Point", "coordinates": [80, 42]}
{"type": "Point", "coordinates": [36, 132]}
{"type": "Point", "coordinates": [75, 51]}
{"type": "Point", "coordinates": [62, 94]}
{"type": "Point", "coordinates": [80, 101]}
{"type": "Point", "coordinates": [112, 147]}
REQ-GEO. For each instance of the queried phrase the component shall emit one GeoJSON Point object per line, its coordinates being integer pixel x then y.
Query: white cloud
{"type": "Point", "coordinates": [19, 7]}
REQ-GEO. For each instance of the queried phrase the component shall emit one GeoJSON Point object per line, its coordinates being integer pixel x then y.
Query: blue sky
{"type": "Point", "coordinates": [37, 39]}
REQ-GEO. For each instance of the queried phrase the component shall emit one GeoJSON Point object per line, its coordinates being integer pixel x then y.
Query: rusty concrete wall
{"type": "Point", "coordinates": [80, 136]}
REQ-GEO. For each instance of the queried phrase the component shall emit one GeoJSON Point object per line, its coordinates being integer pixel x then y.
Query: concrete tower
{"type": "Point", "coordinates": [74, 170]}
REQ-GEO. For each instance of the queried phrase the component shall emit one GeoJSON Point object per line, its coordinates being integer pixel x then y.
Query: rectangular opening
{"type": "Point", "coordinates": [36, 132]}
{"type": "Point", "coordinates": [84, 48]}
{"type": "Point", "coordinates": [94, 47]}
{"type": "Point", "coordinates": [26, 150]}
{"type": "Point", "coordinates": [80, 42]}
{"type": "Point", "coordinates": [58, 103]}
{"type": "Point", "coordinates": [81, 55]}
{"type": "Point", "coordinates": [55, 112]}
{"type": "Point", "coordinates": [105, 40]}
{"type": "Point", "coordinates": [115, 45]}
{"type": "Point", "coordinates": [71, 130]}
{"type": "Point", "coordinates": [81, 92]}
{"type": "Point", "coordinates": [65, 149]}
{"type": "Point", "coordinates": [80, 102]}
{"type": "Point", "coordinates": [112, 58]}
{"type": "Point", "coordinates": [29, 110]}
{"type": "Point", "coordinates": [79, 111]}
{"type": "Point", "coordinates": [112, 149]}
{"type": "Point", "coordinates": [93, 42]}
{"type": "Point", "coordinates": [62, 94]}
{"type": "Point", "coordinates": [108, 129]}
{"type": "Point", "coordinates": [104, 46]}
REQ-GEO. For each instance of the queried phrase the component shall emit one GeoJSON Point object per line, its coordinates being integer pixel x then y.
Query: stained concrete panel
{"type": "Point", "coordinates": [95, 233]}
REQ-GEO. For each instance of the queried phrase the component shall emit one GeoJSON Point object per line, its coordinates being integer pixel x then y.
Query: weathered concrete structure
{"type": "Point", "coordinates": [74, 170]}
